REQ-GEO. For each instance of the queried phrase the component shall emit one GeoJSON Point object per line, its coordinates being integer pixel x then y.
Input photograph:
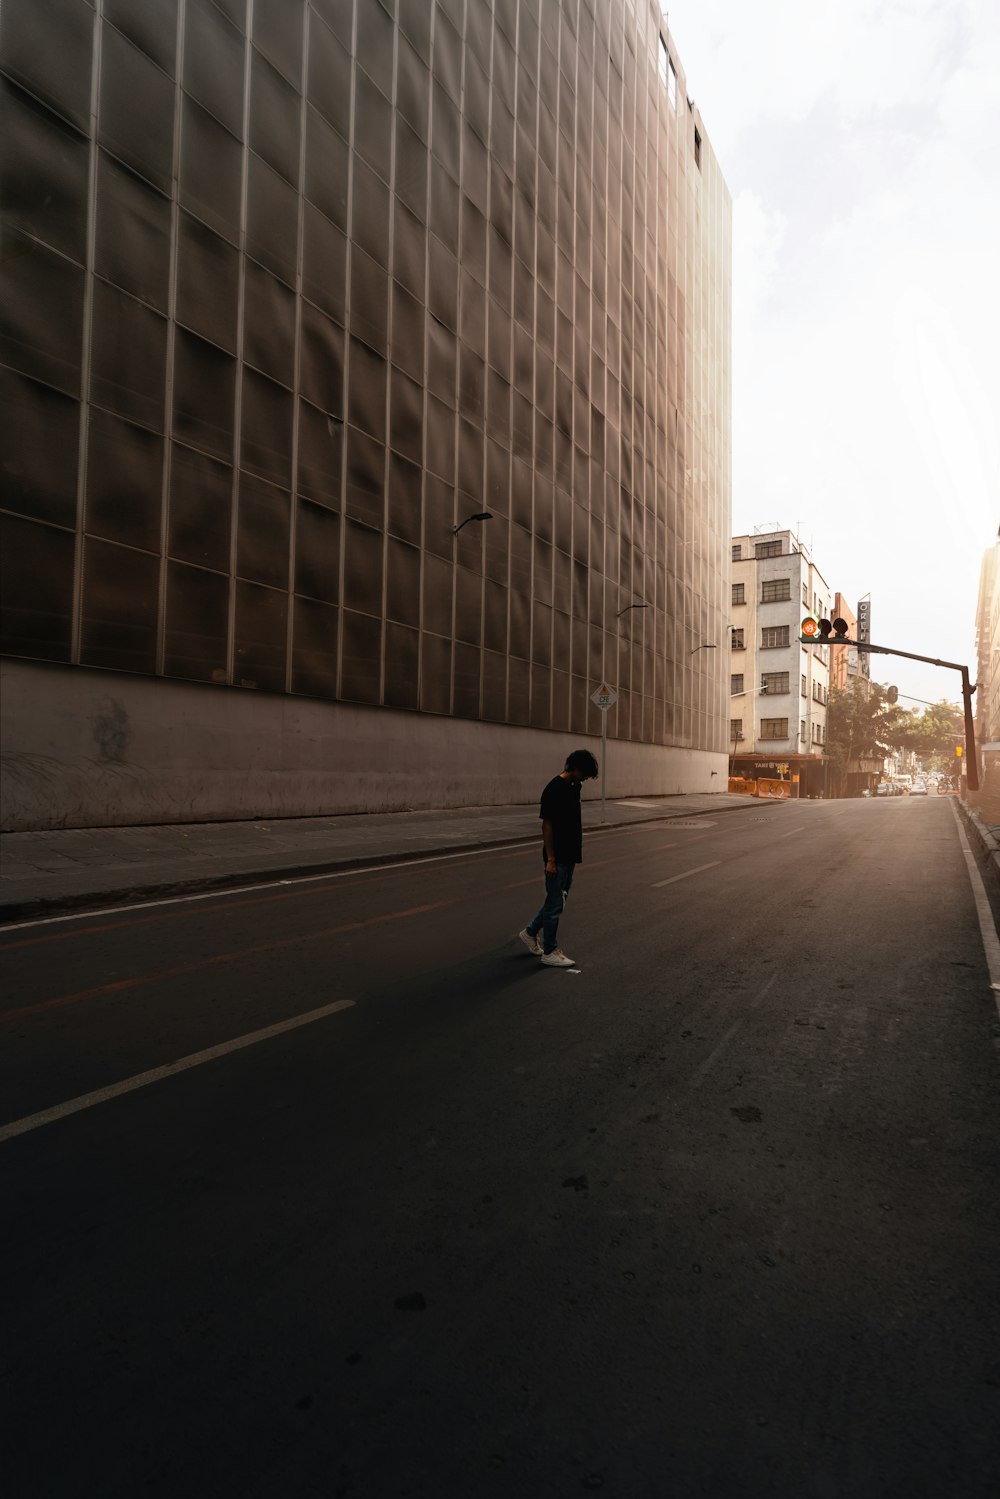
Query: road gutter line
{"type": "Point", "coordinates": [987, 927]}
{"type": "Point", "coordinates": [507, 846]}
{"type": "Point", "coordinates": [686, 875]}
{"type": "Point", "coordinates": [157, 1074]}
{"type": "Point", "coordinates": [298, 879]}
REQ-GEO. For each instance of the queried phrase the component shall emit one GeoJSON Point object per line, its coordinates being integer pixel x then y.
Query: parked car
{"type": "Point", "coordinates": [884, 788]}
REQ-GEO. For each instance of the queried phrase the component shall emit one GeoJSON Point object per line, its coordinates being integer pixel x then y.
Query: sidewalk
{"type": "Point", "coordinates": [986, 843]}
{"type": "Point", "coordinates": [80, 867]}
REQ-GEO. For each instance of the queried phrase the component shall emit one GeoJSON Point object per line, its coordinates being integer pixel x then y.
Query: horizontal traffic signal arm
{"type": "Point", "coordinates": [971, 765]}
{"type": "Point", "coordinates": [882, 650]}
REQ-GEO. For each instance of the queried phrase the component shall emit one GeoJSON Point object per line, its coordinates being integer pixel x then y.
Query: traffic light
{"type": "Point", "coordinates": [832, 631]}
{"type": "Point", "coordinates": [892, 695]}
{"type": "Point", "coordinates": [958, 751]}
{"type": "Point", "coordinates": [823, 631]}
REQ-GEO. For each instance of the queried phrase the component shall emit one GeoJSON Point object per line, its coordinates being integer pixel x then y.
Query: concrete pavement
{"type": "Point", "coordinates": [76, 867]}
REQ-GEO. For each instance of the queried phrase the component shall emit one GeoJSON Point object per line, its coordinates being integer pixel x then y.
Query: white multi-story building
{"type": "Point", "coordinates": [778, 688]}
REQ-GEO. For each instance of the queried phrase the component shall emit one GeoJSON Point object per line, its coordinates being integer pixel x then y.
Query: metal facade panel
{"type": "Point", "coordinates": [370, 275]}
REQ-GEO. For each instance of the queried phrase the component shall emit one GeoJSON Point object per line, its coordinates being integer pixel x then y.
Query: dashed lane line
{"type": "Point", "coordinates": [157, 1074]}
{"type": "Point", "coordinates": [658, 885]}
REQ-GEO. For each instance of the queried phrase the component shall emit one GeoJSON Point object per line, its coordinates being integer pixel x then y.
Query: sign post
{"type": "Point", "coordinates": [605, 697]}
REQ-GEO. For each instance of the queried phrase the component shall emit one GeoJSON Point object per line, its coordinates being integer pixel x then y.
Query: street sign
{"type": "Point", "coordinates": [864, 634]}
{"type": "Point", "coordinates": [605, 697]}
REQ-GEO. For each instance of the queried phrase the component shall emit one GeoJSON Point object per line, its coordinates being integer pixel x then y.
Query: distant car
{"type": "Point", "coordinates": [884, 788]}
{"type": "Point", "coordinates": [919, 788]}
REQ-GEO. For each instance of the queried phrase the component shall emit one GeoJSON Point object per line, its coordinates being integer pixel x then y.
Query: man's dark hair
{"type": "Point", "coordinates": [584, 762]}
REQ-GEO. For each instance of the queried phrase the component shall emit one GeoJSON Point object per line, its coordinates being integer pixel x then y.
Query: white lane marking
{"type": "Point", "coordinates": [987, 926]}
{"type": "Point", "coordinates": [636, 804]}
{"type": "Point", "coordinates": [717, 1050]}
{"type": "Point", "coordinates": [789, 834]}
{"type": "Point", "coordinates": [301, 879]}
{"type": "Point", "coordinates": [305, 879]}
{"type": "Point", "coordinates": [157, 1074]}
{"type": "Point", "coordinates": [686, 875]}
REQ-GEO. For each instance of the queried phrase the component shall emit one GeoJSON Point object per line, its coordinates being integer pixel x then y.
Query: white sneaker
{"type": "Point", "coordinates": [533, 945]}
{"type": "Point", "coordinates": [557, 959]}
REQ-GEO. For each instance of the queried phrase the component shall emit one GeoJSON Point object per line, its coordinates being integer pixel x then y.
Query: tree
{"type": "Point", "coordinates": [861, 724]}
{"type": "Point", "coordinates": [933, 734]}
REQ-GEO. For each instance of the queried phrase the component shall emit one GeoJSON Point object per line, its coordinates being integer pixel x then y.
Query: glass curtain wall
{"type": "Point", "coordinates": [292, 289]}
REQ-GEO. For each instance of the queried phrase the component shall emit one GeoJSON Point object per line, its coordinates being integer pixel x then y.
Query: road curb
{"type": "Point", "coordinates": [43, 905]}
{"type": "Point", "coordinates": [987, 849]}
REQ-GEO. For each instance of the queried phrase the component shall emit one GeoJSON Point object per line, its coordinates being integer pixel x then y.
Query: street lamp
{"type": "Point", "coordinates": [481, 515]}
{"type": "Point", "coordinates": [628, 607]}
{"type": "Point", "coordinates": [712, 646]}
{"type": "Point", "coordinates": [752, 693]}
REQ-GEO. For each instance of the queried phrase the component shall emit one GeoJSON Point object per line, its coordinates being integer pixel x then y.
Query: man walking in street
{"type": "Point", "coordinates": [562, 848]}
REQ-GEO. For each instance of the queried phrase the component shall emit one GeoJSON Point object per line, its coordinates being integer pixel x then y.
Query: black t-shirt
{"type": "Point", "coordinates": [561, 807]}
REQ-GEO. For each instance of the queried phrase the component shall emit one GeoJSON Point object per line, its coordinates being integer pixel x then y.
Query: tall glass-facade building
{"type": "Point", "coordinates": [294, 288]}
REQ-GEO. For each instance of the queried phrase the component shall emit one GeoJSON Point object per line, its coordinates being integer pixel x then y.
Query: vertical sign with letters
{"type": "Point", "coordinates": [864, 635]}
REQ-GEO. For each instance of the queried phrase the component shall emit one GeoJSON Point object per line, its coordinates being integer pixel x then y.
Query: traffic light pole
{"type": "Point", "coordinates": [971, 763]}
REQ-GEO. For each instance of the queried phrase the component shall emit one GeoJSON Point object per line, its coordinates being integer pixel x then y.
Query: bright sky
{"type": "Point", "coordinates": [860, 140]}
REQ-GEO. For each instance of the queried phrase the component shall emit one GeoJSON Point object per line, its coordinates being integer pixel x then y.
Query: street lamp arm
{"type": "Point", "coordinates": [482, 515]}
{"type": "Point", "coordinates": [628, 607]}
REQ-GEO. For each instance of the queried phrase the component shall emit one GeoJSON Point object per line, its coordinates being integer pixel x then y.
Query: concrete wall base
{"type": "Point", "coordinates": [86, 748]}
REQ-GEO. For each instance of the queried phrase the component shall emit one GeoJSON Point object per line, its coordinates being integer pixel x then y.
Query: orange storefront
{"type": "Point", "coordinates": [804, 775]}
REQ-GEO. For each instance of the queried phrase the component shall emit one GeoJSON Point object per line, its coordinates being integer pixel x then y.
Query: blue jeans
{"type": "Point", "coordinates": [547, 920]}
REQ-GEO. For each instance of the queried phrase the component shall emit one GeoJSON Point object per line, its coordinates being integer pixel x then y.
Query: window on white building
{"type": "Point", "coordinates": [739, 644]}
{"type": "Point", "coordinates": [775, 590]}
{"type": "Point", "coordinates": [774, 637]}
{"type": "Point", "coordinates": [775, 681]}
{"type": "Point", "coordinates": [774, 728]}
{"type": "Point", "coordinates": [736, 682]}
{"type": "Point", "coordinates": [739, 593]}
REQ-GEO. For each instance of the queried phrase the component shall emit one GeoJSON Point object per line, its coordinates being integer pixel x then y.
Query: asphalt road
{"type": "Point", "coordinates": [718, 1214]}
